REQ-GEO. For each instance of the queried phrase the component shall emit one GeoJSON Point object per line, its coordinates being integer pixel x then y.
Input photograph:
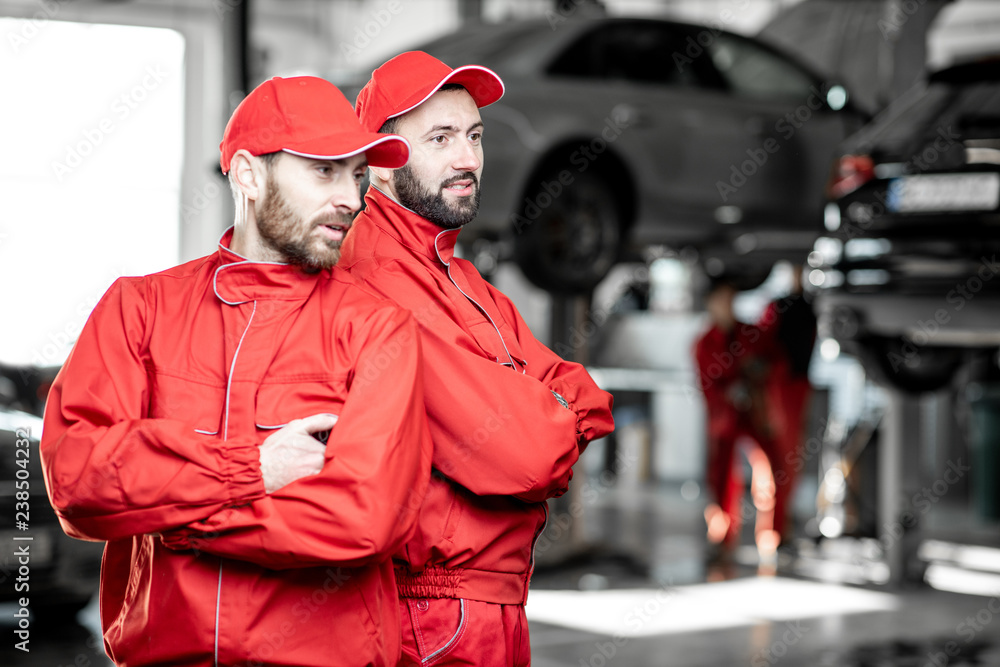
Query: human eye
{"type": "Point", "coordinates": [439, 139]}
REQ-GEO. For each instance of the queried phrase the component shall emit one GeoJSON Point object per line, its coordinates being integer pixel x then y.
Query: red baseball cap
{"type": "Point", "coordinates": [408, 80]}
{"type": "Point", "coordinates": [307, 116]}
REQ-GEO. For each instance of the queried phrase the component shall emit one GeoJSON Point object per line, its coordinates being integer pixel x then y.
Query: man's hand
{"type": "Point", "coordinates": [292, 452]}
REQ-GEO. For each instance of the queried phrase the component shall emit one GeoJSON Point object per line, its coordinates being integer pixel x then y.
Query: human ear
{"type": "Point", "coordinates": [249, 174]}
{"type": "Point", "coordinates": [382, 173]}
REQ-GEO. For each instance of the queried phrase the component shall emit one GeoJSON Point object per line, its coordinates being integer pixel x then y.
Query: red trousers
{"type": "Point", "coordinates": [724, 481]}
{"type": "Point", "coordinates": [446, 632]}
{"type": "Point", "coordinates": [788, 401]}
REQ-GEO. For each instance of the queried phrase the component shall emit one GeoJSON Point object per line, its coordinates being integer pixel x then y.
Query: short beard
{"type": "Point", "coordinates": [285, 232]}
{"type": "Point", "coordinates": [433, 206]}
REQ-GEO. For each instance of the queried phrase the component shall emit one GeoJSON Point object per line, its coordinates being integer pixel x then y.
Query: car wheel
{"type": "Point", "coordinates": [901, 364]}
{"type": "Point", "coordinates": [52, 610]}
{"type": "Point", "coordinates": [571, 234]}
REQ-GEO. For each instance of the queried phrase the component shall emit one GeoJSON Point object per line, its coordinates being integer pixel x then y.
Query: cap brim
{"type": "Point", "coordinates": [382, 150]}
{"type": "Point", "coordinates": [483, 84]}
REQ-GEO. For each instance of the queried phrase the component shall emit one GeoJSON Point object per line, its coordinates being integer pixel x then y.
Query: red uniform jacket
{"type": "Point", "coordinates": [730, 364]}
{"type": "Point", "coordinates": [503, 443]}
{"type": "Point", "coordinates": [151, 442]}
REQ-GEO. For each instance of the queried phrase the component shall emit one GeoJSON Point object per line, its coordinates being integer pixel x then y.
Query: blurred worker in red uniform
{"type": "Point", "coordinates": [733, 364]}
{"type": "Point", "coordinates": [790, 325]}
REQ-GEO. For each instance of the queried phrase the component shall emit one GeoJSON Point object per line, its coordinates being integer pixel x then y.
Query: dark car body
{"type": "Point", "coordinates": [39, 563]}
{"type": "Point", "coordinates": [912, 277]}
{"type": "Point", "coordinates": [616, 133]}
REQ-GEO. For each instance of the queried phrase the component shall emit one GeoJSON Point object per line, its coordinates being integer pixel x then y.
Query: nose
{"type": "Point", "coordinates": [347, 197]}
{"type": "Point", "coordinates": [469, 157]}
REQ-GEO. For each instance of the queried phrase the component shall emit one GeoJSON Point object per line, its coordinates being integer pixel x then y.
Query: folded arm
{"type": "Point", "coordinates": [110, 470]}
{"type": "Point", "coordinates": [362, 505]}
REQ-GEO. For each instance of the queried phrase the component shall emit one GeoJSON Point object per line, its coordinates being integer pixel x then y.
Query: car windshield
{"type": "Point", "coordinates": [753, 71]}
{"type": "Point", "coordinates": [484, 45]}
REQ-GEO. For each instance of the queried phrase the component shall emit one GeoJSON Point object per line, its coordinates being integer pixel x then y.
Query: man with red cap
{"type": "Point", "coordinates": [247, 430]}
{"type": "Point", "coordinates": [508, 417]}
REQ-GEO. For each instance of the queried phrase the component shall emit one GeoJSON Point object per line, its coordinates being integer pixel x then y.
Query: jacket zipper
{"type": "Point", "coordinates": [225, 436]}
{"type": "Point", "coordinates": [534, 543]}
{"type": "Point", "coordinates": [447, 267]}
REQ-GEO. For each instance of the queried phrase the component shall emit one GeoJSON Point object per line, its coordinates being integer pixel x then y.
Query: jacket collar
{"type": "Point", "coordinates": [239, 280]}
{"type": "Point", "coordinates": [412, 230]}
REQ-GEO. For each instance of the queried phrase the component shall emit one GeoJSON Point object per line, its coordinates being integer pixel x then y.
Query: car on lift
{"type": "Point", "coordinates": [60, 574]}
{"type": "Point", "coordinates": [618, 134]}
{"type": "Point", "coordinates": [909, 266]}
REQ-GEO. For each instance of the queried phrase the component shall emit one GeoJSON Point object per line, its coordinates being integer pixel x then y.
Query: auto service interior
{"type": "Point", "coordinates": [839, 160]}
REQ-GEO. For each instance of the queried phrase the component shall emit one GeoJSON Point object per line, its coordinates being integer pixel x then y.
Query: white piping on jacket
{"type": "Point", "coordinates": [454, 637]}
{"type": "Point", "coordinates": [225, 428]}
{"type": "Point", "coordinates": [232, 367]}
{"type": "Point", "coordinates": [447, 266]}
{"type": "Point", "coordinates": [218, 606]}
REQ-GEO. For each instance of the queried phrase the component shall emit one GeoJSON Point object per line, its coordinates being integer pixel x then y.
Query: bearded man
{"type": "Point", "coordinates": [247, 430]}
{"type": "Point", "coordinates": [508, 417]}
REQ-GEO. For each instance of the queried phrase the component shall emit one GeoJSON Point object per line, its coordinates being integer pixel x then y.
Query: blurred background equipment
{"type": "Point", "coordinates": [643, 149]}
{"type": "Point", "coordinates": [617, 133]}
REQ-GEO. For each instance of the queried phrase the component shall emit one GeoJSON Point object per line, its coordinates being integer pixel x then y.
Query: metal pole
{"type": "Point", "coordinates": [898, 472]}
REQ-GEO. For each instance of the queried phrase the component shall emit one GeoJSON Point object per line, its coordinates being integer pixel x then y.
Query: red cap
{"type": "Point", "coordinates": [306, 116]}
{"type": "Point", "coordinates": [408, 80]}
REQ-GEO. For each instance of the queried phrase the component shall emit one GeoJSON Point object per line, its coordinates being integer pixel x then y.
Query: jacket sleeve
{"type": "Point", "coordinates": [110, 471]}
{"type": "Point", "coordinates": [363, 505]}
{"type": "Point", "coordinates": [496, 431]}
{"type": "Point", "coordinates": [591, 404]}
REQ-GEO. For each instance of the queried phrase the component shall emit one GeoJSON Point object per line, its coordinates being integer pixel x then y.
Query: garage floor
{"type": "Point", "coordinates": [631, 588]}
{"type": "Point", "coordinates": [660, 609]}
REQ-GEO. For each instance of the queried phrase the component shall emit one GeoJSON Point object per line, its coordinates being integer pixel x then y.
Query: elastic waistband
{"type": "Point", "coordinates": [482, 585]}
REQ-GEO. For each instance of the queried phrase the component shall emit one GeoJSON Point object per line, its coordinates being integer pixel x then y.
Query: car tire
{"type": "Point", "coordinates": [901, 364]}
{"type": "Point", "coordinates": [570, 235]}
{"type": "Point", "coordinates": [56, 611]}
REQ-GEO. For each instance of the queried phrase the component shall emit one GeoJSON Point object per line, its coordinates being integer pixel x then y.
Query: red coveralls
{"type": "Point", "coordinates": [791, 328]}
{"type": "Point", "coordinates": [731, 367]}
{"type": "Point", "coordinates": [503, 443]}
{"type": "Point", "coordinates": [151, 442]}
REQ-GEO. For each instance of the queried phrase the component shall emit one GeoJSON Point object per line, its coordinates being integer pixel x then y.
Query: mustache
{"type": "Point", "coordinates": [344, 219]}
{"type": "Point", "coordinates": [467, 176]}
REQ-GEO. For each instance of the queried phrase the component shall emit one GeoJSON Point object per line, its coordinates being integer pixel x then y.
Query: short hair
{"type": "Point", "coordinates": [390, 125]}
